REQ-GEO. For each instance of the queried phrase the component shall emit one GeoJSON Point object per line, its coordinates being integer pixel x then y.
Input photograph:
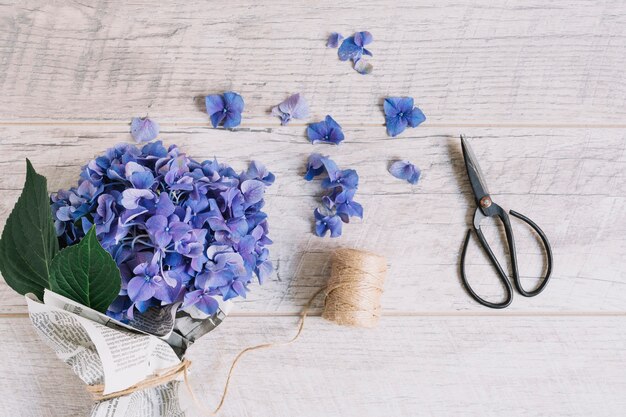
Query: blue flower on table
{"type": "Point", "coordinates": [317, 164]}
{"type": "Point", "coordinates": [346, 207]}
{"type": "Point", "coordinates": [324, 223]}
{"type": "Point", "coordinates": [226, 109]}
{"type": "Point", "coordinates": [334, 39]}
{"type": "Point", "coordinates": [354, 47]}
{"type": "Point", "coordinates": [326, 131]}
{"type": "Point", "coordinates": [400, 113]}
{"type": "Point", "coordinates": [405, 170]}
{"type": "Point", "coordinates": [143, 129]}
{"type": "Point", "coordinates": [346, 179]}
{"type": "Point", "coordinates": [294, 107]}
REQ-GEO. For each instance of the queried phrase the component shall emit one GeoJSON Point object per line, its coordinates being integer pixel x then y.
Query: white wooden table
{"type": "Point", "coordinates": [540, 89]}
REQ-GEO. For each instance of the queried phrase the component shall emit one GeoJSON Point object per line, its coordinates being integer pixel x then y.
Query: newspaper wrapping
{"type": "Point", "coordinates": [104, 351]}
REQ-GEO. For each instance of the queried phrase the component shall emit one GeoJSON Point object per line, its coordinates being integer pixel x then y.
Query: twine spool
{"type": "Point", "coordinates": [355, 288]}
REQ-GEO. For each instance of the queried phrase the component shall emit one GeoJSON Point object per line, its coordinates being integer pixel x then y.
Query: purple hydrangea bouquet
{"type": "Point", "coordinates": [146, 252]}
{"type": "Point", "coordinates": [179, 230]}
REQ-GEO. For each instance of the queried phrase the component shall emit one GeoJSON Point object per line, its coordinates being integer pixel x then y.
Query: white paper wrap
{"type": "Point", "coordinates": [101, 350]}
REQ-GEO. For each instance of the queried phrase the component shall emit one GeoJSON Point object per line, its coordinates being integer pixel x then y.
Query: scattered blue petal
{"type": "Point", "coordinates": [143, 129]}
{"type": "Point", "coordinates": [405, 170]}
{"type": "Point", "coordinates": [400, 113]}
{"type": "Point", "coordinates": [349, 50]}
{"type": "Point", "coordinates": [362, 66]}
{"type": "Point", "coordinates": [294, 107]}
{"type": "Point", "coordinates": [324, 223]}
{"type": "Point", "coordinates": [225, 109]}
{"type": "Point", "coordinates": [334, 39]}
{"type": "Point", "coordinates": [353, 48]}
{"type": "Point", "coordinates": [363, 38]}
{"type": "Point", "coordinates": [326, 131]}
{"type": "Point", "coordinates": [317, 165]}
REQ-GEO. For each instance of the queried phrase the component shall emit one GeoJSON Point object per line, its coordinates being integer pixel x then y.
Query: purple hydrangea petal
{"type": "Point", "coordinates": [140, 289]}
{"type": "Point", "coordinates": [395, 125]}
{"type": "Point", "coordinates": [326, 131]}
{"type": "Point", "coordinates": [164, 205]}
{"type": "Point", "coordinates": [217, 118]}
{"type": "Point", "coordinates": [416, 117]}
{"type": "Point", "coordinates": [334, 39]}
{"type": "Point", "coordinates": [315, 166]}
{"type": "Point", "coordinates": [143, 129]}
{"type": "Point", "coordinates": [391, 106]}
{"type": "Point", "coordinates": [326, 223]}
{"type": "Point", "coordinates": [349, 50]}
{"type": "Point", "coordinates": [178, 229]}
{"type": "Point", "coordinates": [207, 304]}
{"type": "Point", "coordinates": [294, 107]}
{"type": "Point", "coordinates": [404, 170]}
{"type": "Point", "coordinates": [405, 104]}
{"type": "Point", "coordinates": [317, 131]}
{"type": "Point", "coordinates": [233, 119]}
{"type": "Point", "coordinates": [214, 104]}
{"type": "Point", "coordinates": [363, 38]}
{"type": "Point", "coordinates": [143, 180]}
{"type": "Point", "coordinates": [253, 191]}
{"type": "Point", "coordinates": [156, 223]}
{"type": "Point", "coordinates": [363, 67]}
{"type": "Point", "coordinates": [191, 298]}
{"type": "Point", "coordinates": [233, 102]}
{"type": "Point", "coordinates": [132, 196]}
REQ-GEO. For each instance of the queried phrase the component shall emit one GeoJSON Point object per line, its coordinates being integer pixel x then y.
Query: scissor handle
{"type": "Point", "coordinates": [497, 211]}
{"type": "Point", "coordinates": [494, 261]}
{"type": "Point", "coordinates": [548, 250]}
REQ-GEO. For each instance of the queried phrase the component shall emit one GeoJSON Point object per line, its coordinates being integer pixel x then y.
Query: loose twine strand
{"type": "Point", "coordinates": [352, 298]}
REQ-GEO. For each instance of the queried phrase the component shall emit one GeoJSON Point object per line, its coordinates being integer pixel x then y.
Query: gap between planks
{"type": "Point", "coordinates": [415, 314]}
{"type": "Point", "coordinates": [245, 126]}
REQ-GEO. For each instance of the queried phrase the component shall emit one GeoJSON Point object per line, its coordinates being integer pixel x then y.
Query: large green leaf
{"type": "Point", "coordinates": [28, 241]}
{"type": "Point", "coordinates": [86, 273]}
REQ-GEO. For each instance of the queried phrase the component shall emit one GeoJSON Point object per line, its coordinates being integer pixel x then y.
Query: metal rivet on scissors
{"type": "Point", "coordinates": [487, 208]}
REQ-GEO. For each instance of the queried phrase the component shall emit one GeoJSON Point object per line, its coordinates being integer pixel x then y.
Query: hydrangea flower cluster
{"type": "Point", "coordinates": [179, 230]}
{"type": "Point", "coordinates": [338, 205]}
{"type": "Point", "coordinates": [353, 48]}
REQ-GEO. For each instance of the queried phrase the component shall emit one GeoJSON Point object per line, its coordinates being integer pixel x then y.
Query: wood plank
{"type": "Point", "coordinates": [469, 366]}
{"type": "Point", "coordinates": [465, 62]}
{"type": "Point", "coordinates": [570, 181]}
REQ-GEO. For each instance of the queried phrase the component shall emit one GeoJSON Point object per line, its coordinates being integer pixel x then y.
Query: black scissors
{"type": "Point", "coordinates": [487, 208]}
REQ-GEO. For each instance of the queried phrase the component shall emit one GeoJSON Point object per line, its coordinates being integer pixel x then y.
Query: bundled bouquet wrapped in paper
{"type": "Point", "coordinates": [125, 271]}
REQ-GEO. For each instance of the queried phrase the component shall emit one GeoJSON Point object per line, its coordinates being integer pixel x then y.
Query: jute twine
{"type": "Point", "coordinates": [352, 298]}
{"type": "Point", "coordinates": [355, 288]}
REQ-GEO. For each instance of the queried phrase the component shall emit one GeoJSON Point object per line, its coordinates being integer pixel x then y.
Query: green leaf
{"type": "Point", "coordinates": [86, 273]}
{"type": "Point", "coordinates": [29, 241]}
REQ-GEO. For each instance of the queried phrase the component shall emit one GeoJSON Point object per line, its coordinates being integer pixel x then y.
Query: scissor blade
{"type": "Point", "coordinates": [476, 177]}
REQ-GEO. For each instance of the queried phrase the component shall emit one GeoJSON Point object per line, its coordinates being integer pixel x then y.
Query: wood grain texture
{"type": "Point", "coordinates": [538, 87]}
{"type": "Point", "coordinates": [570, 181]}
{"type": "Point", "coordinates": [408, 366]}
{"type": "Point", "coordinates": [541, 63]}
